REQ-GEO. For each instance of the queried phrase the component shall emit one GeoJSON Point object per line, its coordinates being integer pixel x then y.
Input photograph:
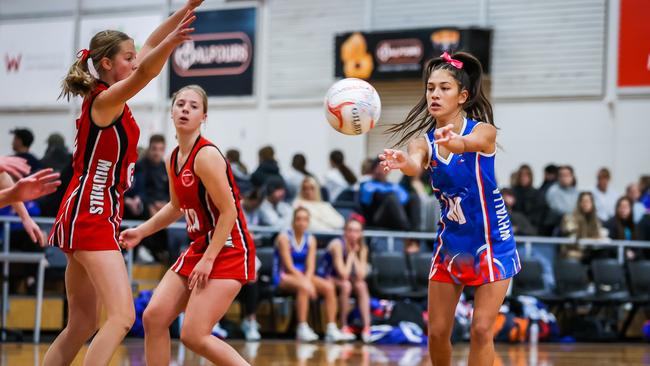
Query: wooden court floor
{"type": "Point", "coordinates": [281, 353]}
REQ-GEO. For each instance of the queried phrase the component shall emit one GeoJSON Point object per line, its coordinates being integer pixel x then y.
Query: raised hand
{"type": "Point", "coordinates": [193, 4]}
{"type": "Point", "coordinates": [14, 166]}
{"type": "Point", "coordinates": [36, 185]}
{"type": "Point", "coordinates": [183, 30]}
{"type": "Point", "coordinates": [393, 159]}
{"type": "Point", "coordinates": [129, 238]}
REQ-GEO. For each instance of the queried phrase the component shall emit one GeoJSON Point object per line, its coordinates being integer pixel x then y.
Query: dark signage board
{"type": "Point", "coordinates": [219, 57]}
{"type": "Point", "coordinates": [402, 54]}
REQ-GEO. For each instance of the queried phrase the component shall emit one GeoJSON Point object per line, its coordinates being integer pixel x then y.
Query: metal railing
{"type": "Point", "coordinates": [8, 257]}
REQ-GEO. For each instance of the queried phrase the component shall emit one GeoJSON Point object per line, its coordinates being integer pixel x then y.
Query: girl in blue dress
{"type": "Point", "coordinates": [293, 271]}
{"type": "Point", "coordinates": [451, 133]}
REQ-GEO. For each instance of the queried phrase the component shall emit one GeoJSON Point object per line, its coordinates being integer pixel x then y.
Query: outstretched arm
{"type": "Point", "coordinates": [163, 30]}
{"type": "Point", "coordinates": [166, 216]}
{"type": "Point", "coordinates": [410, 163]}
{"type": "Point", "coordinates": [109, 104]}
{"type": "Point", "coordinates": [31, 228]}
{"type": "Point", "coordinates": [482, 139]}
{"type": "Point", "coordinates": [30, 188]}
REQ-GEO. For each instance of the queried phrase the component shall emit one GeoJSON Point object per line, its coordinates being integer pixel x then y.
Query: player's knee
{"type": "Point", "coordinates": [124, 320]}
{"type": "Point", "coordinates": [191, 338]}
{"type": "Point", "coordinates": [438, 335]}
{"type": "Point", "coordinates": [151, 319]}
{"type": "Point", "coordinates": [481, 332]}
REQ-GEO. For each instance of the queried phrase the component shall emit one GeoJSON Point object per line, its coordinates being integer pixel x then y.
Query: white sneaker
{"type": "Point", "coordinates": [251, 330]}
{"type": "Point", "coordinates": [366, 336]}
{"type": "Point", "coordinates": [144, 255]}
{"type": "Point", "coordinates": [219, 332]}
{"type": "Point", "coordinates": [334, 334]}
{"type": "Point", "coordinates": [305, 334]}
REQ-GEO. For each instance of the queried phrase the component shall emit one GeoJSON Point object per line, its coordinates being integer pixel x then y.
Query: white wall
{"type": "Point", "coordinates": [571, 124]}
{"type": "Point", "coordinates": [584, 134]}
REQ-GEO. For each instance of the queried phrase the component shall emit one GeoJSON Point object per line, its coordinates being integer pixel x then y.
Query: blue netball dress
{"type": "Point", "coordinates": [475, 242]}
{"type": "Point", "coordinates": [299, 252]}
{"type": "Point", "coordinates": [325, 267]}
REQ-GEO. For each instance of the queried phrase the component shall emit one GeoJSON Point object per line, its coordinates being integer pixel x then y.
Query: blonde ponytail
{"type": "Point", "coordinates": [79, 81]}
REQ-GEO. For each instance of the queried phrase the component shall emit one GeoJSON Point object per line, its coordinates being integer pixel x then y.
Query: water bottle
{"type": "Point", "coordinates": [534, 333]}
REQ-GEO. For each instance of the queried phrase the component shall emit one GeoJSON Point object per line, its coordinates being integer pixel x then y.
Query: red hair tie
{"type": "Point", "coordinates": [356, 217]}
{"type": "Point", "coordinates": [83, 54]}
{"type": "Point", "coordinates": [455, 63]}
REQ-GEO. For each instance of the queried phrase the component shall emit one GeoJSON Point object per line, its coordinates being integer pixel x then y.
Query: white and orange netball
{"type": "Point", "coordinates": [352, 106]}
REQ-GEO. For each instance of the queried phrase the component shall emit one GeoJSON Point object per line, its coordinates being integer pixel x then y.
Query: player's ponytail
{"type": "Point", "coordinates": [80, 81]}
{"type": "Point", "coordinates": [477, 106]}
{"type": "Point", "coordinates": [469, 76]}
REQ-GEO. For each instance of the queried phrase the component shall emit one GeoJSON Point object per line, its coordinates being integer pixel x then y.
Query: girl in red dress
{"type": "Point", "coordinates": [221, 258]}
{"type": "Point", "coordinates": [88, 221]}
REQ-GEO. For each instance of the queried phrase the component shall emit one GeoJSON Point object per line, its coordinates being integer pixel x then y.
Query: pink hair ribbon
{"type": "Point", "coordinates": [455, 63]}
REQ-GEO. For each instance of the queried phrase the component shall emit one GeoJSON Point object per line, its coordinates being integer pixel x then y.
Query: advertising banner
{"type": "Point", "coordinates": [220, 55]}
{"type": "Point", "coordinates": [402, 54]}
{"type": "Point", "coordinates": [36, 56]}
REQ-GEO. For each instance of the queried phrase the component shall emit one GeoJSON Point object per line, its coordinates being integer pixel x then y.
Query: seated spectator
{"type": "Point", "coordinates": [548, 220]}
{"type": "Point", "coordinates": [346, 265]}
{"type": "Point", "coordinates": [294, 268]}
{"type": "Point", "coordinates": [550, 178]}
{"type": "Point", "coordinates": [267, 169]}
{"type": "Point", "coordinates": [604, 196]}
{"type": "Point", "coordinates": [562, 196]}
{"type": "Point", "coordinates": [420, 186]}
{"type": "Point", "coordinates": [520, 223]}
{"type": "Point", "coordinates": [239, 171]}
{"type": "Point", "coordinates": [298, 172]}
{"type": "Point", "coordinates": [633, 192]}
{"type": "Point", "coordinates": [366, 172]}
{"type": "Point", "coordinates": [23, 139]}
{"type": "Point", "coordinates": [622, 226]}
{"type": "Point", "coordinates": [152, 186]}
{"type": "Point", "coordinates": [250, 204]}
{"type": "Point", "coordinates": [339, 177]}
{"type": "Point", "coordinates": [58, 158]}
{"type": "Point", "coordinates": [323, 215]}
{"type": "Point", "coordinates": [583, 223]}
{"type": "Point", "coordinates": [388, 205]}
{"type": "Point", "coordinates": [274, 211]}
{"type": "Point", "coordinates": [527, 200]}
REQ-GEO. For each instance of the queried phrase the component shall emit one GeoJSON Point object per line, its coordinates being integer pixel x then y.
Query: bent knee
{"type": "Point", "coordinates": [439, 334]}
{"type": "Point", "coordinates": [191, 338]}
{"type": "Point", "coordinates": [124, 320]}
{"type": "Point", "coordinates": [152, 318]}
{"type": "Point", "coordinates": [481, 332]}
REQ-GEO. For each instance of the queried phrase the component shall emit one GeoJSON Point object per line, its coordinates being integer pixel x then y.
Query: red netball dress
{"type": "Point", "coordinates": [236, 260]}
{"type": "Point", "coordinates": [103, 161]}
